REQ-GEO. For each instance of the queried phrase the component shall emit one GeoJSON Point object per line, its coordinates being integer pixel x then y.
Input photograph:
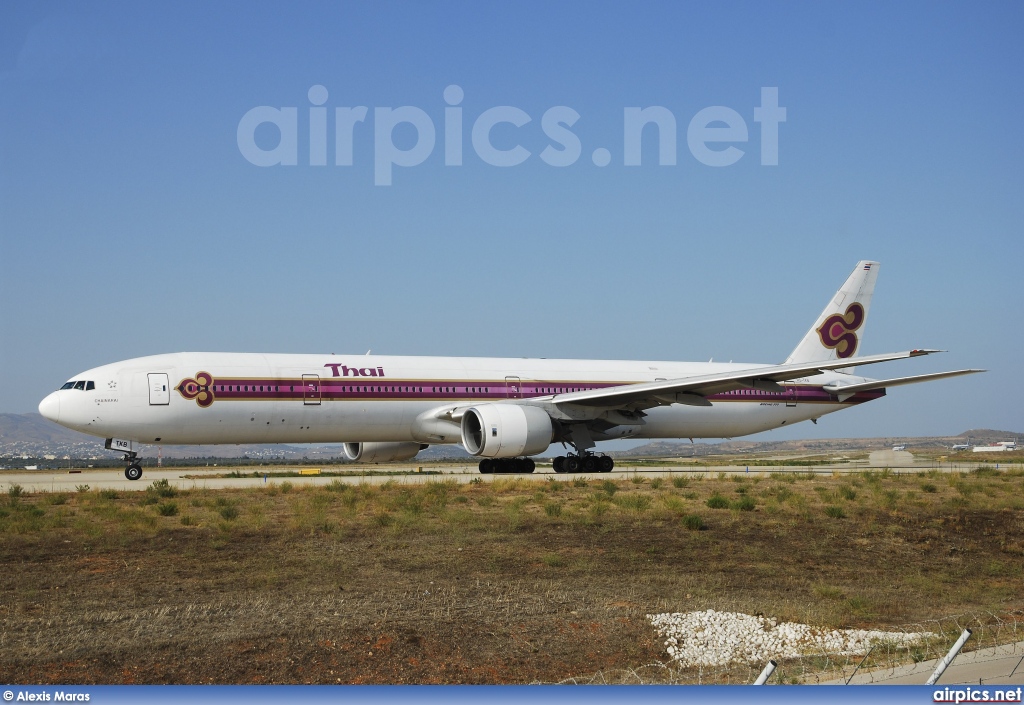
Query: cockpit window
{"type": "Point", "coordinates": [68, 385]}
{"type": "Point", "coordinates": [89, 386]}
{"type": "Point", "coordinates": [79, 385]}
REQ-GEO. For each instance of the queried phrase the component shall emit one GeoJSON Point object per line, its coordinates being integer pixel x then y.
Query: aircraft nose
{"type": "Point", "coordinates": [49, 408]}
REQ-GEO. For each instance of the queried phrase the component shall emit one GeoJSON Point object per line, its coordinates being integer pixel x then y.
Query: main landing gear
{"type": "Point", "coordinates": [583, 462]}
{"type": "Point", "coordinates": [134, 470]}
{"type": "Point", "coordinates": [490, 466]}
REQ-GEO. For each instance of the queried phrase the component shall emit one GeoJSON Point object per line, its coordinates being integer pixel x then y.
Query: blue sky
{"type": "Point", "coordinates": [131, 223]}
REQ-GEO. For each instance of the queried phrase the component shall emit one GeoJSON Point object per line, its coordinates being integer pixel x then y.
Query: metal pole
{"type": "Point", "coordinates": [766, 673]}
{"type": "Point", "coordinates": [948, 658]}
{"type": "Point", "coordinates": [860, 664]}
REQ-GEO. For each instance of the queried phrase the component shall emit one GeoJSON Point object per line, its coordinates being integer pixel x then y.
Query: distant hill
{"type": "Point", "coordinates": [33, 428]}
{"type": "Point", "coordinates": [677, 449]}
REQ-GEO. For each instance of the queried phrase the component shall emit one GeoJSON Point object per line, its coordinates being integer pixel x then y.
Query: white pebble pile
{"type": "Point", "coordinates": [717, 638]}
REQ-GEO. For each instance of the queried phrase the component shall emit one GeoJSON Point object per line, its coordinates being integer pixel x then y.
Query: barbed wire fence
{"type": "Point", "coordinates": [989, 630]}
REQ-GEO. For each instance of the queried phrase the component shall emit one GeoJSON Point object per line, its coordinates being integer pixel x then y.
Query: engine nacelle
{"type": "Point", "coordinates": [382, 452]}
{"type": "Point", "coordinates": [506, 430]}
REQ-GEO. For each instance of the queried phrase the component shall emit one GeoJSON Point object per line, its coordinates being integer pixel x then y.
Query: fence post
{"type": "Point", "coordinates": [860, 664]}
{"type": "Point", "coordinates": [948, 658]}
{"type": "Point", "coordinates": [766, 673]}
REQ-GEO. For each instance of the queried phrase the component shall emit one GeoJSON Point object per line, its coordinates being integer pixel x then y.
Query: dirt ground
{"type": "Point", "coordinates": [516, 582]}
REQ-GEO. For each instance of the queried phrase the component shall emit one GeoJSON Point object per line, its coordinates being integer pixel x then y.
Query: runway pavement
{"type": "Point", "coordinates": [207, 477]}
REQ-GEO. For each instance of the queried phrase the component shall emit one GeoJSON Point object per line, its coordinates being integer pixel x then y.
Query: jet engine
{"type": "Point", "coordinates": [382, 452]}
{"type": "Point", "coordinates": [506, 430]}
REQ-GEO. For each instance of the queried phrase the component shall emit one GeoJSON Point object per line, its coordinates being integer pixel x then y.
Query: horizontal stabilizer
{"type": "Point", "coordinates": [895, 382]}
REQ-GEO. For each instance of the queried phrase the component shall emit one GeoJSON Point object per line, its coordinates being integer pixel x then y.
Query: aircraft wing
{"type": "Point", "coordinates": [895, 382]}
{"type": "Point", "coordinates": [693, 390]}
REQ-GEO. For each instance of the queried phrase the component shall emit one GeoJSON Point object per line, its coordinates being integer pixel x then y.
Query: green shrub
{"type": "Point", "coordinates": [108, 494]}
{"type": "Point", "coordinates": [188, 520]}
{"type": "Point", "coordinates": [633, 502]}
{"type": "Point", "coordinates": [656, 483]}
{"type": "Point", "coordinates": [597, 509]}
{"type": "Point", "coordinates": [829, 592]}
{"type": "Point", "coordinates": [848, 493]}
{"type": "Point", "coordinates": [673, 504]}
{"type": "Point", "coordinates": [553, 509]}
{"type": "Point", "coordinates": [57, 498]}
{"type": "Point", "coordinates": [337, 486]}
{"type": "Point", "coordinates": [694, 523]}
{"type": "Point", "coordinates": [168, 509]}
{"type": "Point", "coordinates": [610, 487]}
{"type": "Point", "coordinates": [163, 488]}
{"type": "Point", "coordinates": [929, 487]}
{"type": "Point", "coordinates": [579, 482]}
{"type": "Point", "coordinates": [637, 479]}
{"type": "Point", "coordinates": [15, 491]}
{"type": "Point", "coordinates": [286, 487]}
{"type": "Point", "coordinates": [81, 488]}
{"type": "Point", "coordinates": [717, 501]}
{"type": "Point", "coordinates": [552, 560]}
{"type": "Point", "coordinates": [679, 482]}
{"type": "Point", "coordinates": [835, 512]}
{"type": "Point", "coordinates": [745, 504]}
{"type": "Point", "coordinates": [229, 513]}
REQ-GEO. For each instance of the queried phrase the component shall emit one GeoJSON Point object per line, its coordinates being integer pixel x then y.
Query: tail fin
{"type": "Point", "coordinates": [837, 332]}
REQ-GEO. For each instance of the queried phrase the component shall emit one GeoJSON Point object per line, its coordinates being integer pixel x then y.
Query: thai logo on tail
{"type": "Point", "coordinates": [838, 332]}
{"type": "Point", "coordinates": [200, 388]}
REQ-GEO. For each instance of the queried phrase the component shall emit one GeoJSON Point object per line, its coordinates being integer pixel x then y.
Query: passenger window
{"type": "Point", "coordinates": [90, 386]}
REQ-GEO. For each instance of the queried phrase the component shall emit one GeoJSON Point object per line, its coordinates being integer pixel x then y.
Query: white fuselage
{"type": "Point", "coordinates": [280, 398]}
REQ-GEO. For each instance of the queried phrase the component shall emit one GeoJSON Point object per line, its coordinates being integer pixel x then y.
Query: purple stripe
{"type": "Point", "coordinates": [338, 389]}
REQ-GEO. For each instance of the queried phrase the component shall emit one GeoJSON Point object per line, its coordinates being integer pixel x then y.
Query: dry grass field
{"type": "Point", "coordinates": [519, 580]}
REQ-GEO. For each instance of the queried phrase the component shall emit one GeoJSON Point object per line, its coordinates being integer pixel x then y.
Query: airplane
{"type": "Point", "coordinates": [501, 410]}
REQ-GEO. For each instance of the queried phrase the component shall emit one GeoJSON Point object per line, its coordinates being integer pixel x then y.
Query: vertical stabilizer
{"type": "Point", "coordinates": [837, 333]}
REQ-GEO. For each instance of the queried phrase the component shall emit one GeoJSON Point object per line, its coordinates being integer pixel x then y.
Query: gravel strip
{"type": "Point", "coordinates": [714, 638]}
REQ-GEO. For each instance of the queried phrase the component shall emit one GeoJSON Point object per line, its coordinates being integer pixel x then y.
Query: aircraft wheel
{"type": "Point", "coordinates": [133, 472]}
{"type": "Point", "coordinates": [486, 466]}
{"type": "Point", "coordinates": [558, 464]}
{"type": "Point", "coordinates": [605, 463]}
{"type": "Point", "coordinates": [527, 465]}
{"type": "Point", "coordinates": [571, 464]}
{"type": "Point", "coordinates": [589, 464]}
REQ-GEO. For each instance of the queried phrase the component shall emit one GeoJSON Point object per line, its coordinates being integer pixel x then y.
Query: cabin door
{"type": "Point", "coordinates": [514, 388]}
{"type": "Point", "coordinates": [159, 389]}
{"type": "Point", "coordinates": [790, 395]}
{"type": "Point", "coordinates": [311, 390]}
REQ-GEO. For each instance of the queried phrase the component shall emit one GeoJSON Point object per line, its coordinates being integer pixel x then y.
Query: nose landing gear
{"type": "Point", "coordinates": [134, 470]}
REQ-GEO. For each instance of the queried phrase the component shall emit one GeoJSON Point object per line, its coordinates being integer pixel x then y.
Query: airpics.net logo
{"type": "Point", "coordinates": [712, 134]}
